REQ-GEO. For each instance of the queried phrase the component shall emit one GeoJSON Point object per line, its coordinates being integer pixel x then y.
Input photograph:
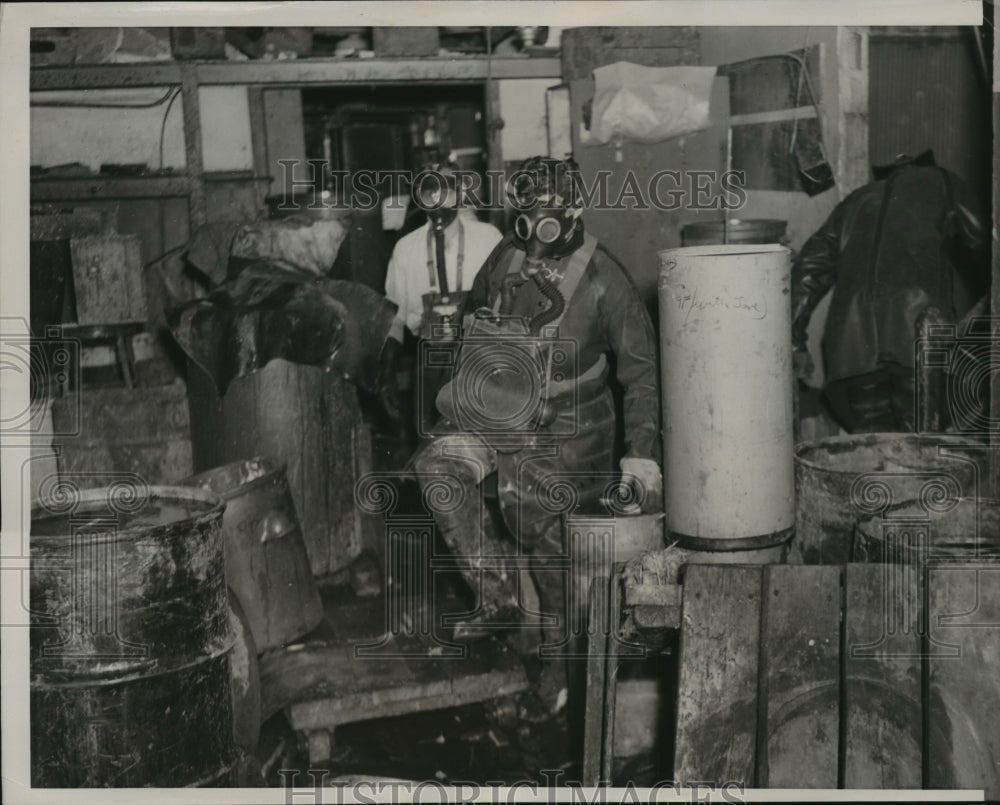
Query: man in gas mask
{"type": "Point", "coordinates": [429, 275]}
{"type": "Point", "coordinates": [530, 401]}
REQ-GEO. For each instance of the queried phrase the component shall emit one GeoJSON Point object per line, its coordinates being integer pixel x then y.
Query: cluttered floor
{"type": "Point", "coordinates": [445, 720]}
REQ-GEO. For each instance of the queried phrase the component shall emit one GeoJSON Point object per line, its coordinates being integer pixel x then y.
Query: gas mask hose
{"type": "Point", "coordinates": [554, 310]}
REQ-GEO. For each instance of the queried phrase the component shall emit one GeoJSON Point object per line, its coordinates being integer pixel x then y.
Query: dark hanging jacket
{"type": "Point", "coordinates": [889, 250]}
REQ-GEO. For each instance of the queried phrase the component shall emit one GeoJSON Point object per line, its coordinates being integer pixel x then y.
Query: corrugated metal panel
{"type": "Point", "coordinates": [926, 91]}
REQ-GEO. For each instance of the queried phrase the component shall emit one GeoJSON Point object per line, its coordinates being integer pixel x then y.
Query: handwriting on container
{"type": "Point", "coordinates": [690, 301]}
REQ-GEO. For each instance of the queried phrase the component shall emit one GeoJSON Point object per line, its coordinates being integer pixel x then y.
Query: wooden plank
{"type": "Point", "coordinates": [801, 677]}
{"type": "Point", "coordinates": [97, 188]}
{"type": "Point", "coordinates": [285, 137]}
{"type": "Point", "coordinates": [596, 691]}
{"type": "Point", "coordinates": [193, 144]}
{"type": "Point", "coordinates": [108, 279]}
{"type": "Point", "coordinates": [717, 694]}
{"type": "Point", "coordinates": [105, 76]}
{"type": "Point", "coordinates": [402, 701]}
{"type": "Point", "coordinates": [348, 71]}
{"type": "Point", "coordinates": [963, 732]}
{"type": "Point", "coordinates": [995, 274]}
{"type": "Point", "coordinates": [297, 72]}
{"type": "Point", "coordinates": [882, 718]}
{"type": "Point", "coordinates": [882, 745]}
{"type": "Point", "coordinates": [258, 139]}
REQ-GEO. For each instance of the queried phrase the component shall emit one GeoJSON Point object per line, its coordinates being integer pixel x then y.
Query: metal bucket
{"type": "Point", "coordinates": [962, 529]}
{"type": "Point", "coordinates": [845, 478]}
{"type": "Point", "coordinates": [727, 397]}
{"type": "Point", "coordinates": [130, 640]}
{"type": "Point", "coordinates": [266, 561]}
{"type": "Point", "coordinates": [750, 230]}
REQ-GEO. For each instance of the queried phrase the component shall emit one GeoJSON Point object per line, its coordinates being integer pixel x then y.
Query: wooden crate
{"type": "Point", "coordinates": [108, 279]}
{"type": "Point", "coordinates": [143, 431]}
{"type": "Point", "coordinates": [858, 676]}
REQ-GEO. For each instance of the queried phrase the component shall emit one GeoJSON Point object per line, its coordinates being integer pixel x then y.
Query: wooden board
{"type": "Point", "coordinates": [907, 700]}
{"type": "Point", "coordinates": [108, 279]}
{"type": "Point", "coordinates": [883, 732]}
{"type": "Point", "coordinates": [800, 672]}
{"type": "Point", "coordinates": [303, 417]}
{"type": "Point", "coordinates": [963, 739]}
{"type": "Point", "coordinates": [323, 686]}
{"type": "Point", "coordinates": [142, 430]}
{"type": "Point", "coordinates": [717, 697]}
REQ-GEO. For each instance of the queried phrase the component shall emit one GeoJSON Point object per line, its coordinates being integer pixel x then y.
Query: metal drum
{"type": "Point", "coordinates": [846, 478]}
{"type": "Point", "coordinates": [727, 398]}
{"type": "Point", "coordinates": [266, 562]}
{"type": "Point", "coordinates": [959, 529]}
{"type": "Point", "coordinates": [130, 640]}
{"type": "Point", "coordinates": [750, 230]}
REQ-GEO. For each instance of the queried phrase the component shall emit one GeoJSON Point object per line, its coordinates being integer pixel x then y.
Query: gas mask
{"type": "Point", "coordinates": [544, 230]}
{"type": "Point", "coordinates": [434, 192]}
{"type": "Point", "coordinates": [545, 196]}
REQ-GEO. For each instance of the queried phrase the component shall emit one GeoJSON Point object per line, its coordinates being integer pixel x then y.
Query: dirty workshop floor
{"type": "Point", "coordinates": [477, 741]}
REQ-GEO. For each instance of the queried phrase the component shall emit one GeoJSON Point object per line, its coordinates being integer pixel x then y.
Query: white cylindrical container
{"type": "Point", "coordinates": [726, 369]}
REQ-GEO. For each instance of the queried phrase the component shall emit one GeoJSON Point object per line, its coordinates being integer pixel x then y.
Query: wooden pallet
{"type": "Point", "coordinates": [350, 673]}
{"type": "Point", "coordinates": [856, 676]}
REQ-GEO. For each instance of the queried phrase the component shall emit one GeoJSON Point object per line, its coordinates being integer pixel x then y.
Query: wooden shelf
{"type": "Point", "coordinates": [296, 72]}
{"type": "Point", "coordinates": [72, 188]}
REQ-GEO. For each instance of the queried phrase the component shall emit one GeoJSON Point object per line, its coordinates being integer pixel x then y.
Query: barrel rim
{"type": "Point", "coordinates": [84, 496]}
{"type": "Point", "coordinates": [874, 517]}
{"type": "Point", "coordinates": [718, 223]}
{"type": "Point", "coordinates": [724, 250]}
{"type": "Point", "coordinates": [273, 467]}
{"type": "Point", "coordinates": [854, 439]}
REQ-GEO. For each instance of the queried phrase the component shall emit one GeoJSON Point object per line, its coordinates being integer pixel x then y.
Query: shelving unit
{"type": "Point", "coordinates": [258, 76]}
{"type": "Point", "coordinates": [295, 72]}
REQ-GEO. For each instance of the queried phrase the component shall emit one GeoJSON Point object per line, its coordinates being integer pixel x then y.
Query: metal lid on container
{"type": "Point", "coordinates": [735, 230]}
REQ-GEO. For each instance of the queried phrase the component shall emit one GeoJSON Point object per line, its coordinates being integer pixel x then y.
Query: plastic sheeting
{"type": "Point", "coordinates": [648, 104]}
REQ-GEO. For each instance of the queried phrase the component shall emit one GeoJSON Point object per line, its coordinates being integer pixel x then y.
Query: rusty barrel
{"type": "Point", "coordinates": [842, 479]}
{"type": "Point", "coordinates": [266, 561]}
{"type": "Point", "coordinates": [939, 528]}
{"type": "Point", "coordinates": [130, 640]}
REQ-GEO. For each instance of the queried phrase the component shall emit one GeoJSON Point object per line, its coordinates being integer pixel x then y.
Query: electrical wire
{"type": "Point", "coordinates": [104, 105]}
{"type": "Point", "coordinates": [163, 123]}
